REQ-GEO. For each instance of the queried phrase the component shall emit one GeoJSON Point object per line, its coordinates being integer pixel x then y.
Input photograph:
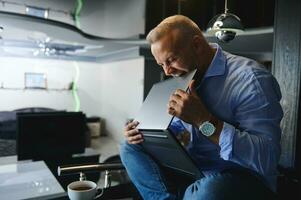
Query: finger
{"type": "Point", "coordinates": [180, 93]}
{"type": "Point", "coordinates": [135, 138]}
{"type": "Point", "coordinates": [192, 87]}
{"type": "Point", "coordinates": [131, 133]}
{"type": "Point", "coordinates": [171, 111]}
{"type": "Point", "coordinates": [176, 104]}
{"type": "Point", "coordinates": [129, 121]}
{"type": "Point", "coordinates": [175, 97]}
{"type": "Point", "coordinates": [137, 141]}
{"type": "Point", "coordinates": [172, 104]}
{"type": "Point", "coordinates": [131, 125]}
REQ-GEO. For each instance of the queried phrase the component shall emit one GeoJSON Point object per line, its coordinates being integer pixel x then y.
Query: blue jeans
{"type": "Point", "coordinates": [153, 183]}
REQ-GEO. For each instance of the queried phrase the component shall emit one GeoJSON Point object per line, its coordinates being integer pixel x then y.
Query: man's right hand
{"type": "Point", "coordinates": [132, 135]}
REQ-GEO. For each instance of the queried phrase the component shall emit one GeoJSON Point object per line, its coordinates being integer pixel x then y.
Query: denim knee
{"type": "Point", "coordinates": [224, 186]}
{"type": "Point", "coordinates": [144, 172]}
{"type": "Point", "coordinates": [126, 149]}
{"type": "Point", "coordinates": [213, 187]}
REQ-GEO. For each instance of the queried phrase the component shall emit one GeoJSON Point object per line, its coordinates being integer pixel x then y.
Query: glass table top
{"type": "Point", "coordinates": [28, 180]}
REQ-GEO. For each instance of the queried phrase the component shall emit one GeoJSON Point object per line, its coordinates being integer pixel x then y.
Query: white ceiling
{"type": "Point", "coordinates": [25, 34]}
{"type": "Point", "coordinates": [29, 36]}
{"type": "Point", "coordinates": [57, 36]}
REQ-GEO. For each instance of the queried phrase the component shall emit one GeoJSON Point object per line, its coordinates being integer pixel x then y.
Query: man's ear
{"type": "Point", "coordinates": [197, 43]}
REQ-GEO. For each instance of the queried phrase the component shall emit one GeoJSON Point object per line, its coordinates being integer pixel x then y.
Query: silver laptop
{"type": "Point", "coordinates": [154, 121]}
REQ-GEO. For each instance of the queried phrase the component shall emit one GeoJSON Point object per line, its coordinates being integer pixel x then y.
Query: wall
{"type": "Point", "coordinates": [113, 91]}
{"type": "Point", "coordinates": [59, 75]}
{"type": "Point", "coordinates": [121, 87]}
{"type": "Point", "coordinates": [287, 69]}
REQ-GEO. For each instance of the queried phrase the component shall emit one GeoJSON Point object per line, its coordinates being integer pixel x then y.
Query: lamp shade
{"type": "Point", "coordinates": [224, 22]}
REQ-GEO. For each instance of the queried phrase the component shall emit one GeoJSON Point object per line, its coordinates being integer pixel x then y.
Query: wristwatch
{"type": "Point", "coordinates": [207, 128]}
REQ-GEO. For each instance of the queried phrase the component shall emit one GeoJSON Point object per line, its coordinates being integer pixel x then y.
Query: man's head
{"type": "Point", "coordinates": [178, 45]}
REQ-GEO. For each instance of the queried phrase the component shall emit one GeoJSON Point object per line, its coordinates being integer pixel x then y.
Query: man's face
{"type": "Point", "coordinates": [174, 57]}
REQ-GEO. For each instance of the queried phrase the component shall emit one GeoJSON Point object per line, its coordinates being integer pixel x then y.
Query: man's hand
{"type": "Point", "coordinates": [132, 135]}
{"type": "Point", "coordinates": [188, 106]}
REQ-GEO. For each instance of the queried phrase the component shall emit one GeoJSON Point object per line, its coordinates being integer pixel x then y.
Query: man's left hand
{"type": "Point", "coordinates": [188, 106]}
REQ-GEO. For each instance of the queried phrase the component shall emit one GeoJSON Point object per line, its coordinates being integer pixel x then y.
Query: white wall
{"type": "Point", "coordinates": [113, 91]}
{"type": "Point", "coordinates": [121, 89]}
{"type": "Point", "coordinates": [59, 75]}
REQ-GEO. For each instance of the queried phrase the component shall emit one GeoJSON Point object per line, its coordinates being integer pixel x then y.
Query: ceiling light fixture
{"type": "Point", "coordinates": [225, 26]}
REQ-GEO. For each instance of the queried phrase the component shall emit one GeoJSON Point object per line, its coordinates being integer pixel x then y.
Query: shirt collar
{"type": "Point", "coordinates": [218, 63]}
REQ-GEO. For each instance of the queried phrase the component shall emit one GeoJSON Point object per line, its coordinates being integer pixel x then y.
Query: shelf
{"type": "Point", "coordinates": [36, 89]}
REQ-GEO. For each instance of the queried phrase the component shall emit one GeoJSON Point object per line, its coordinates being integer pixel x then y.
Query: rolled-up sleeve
{"type": "Point", "coordinates": [226, 141]}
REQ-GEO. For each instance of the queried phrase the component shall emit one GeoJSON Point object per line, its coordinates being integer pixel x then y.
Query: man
{"type": "Point", "coordinates": [232, 113]}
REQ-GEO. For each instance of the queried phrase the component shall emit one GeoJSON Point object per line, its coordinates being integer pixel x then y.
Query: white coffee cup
{"type": "Point", "coordinates": [82, 190]}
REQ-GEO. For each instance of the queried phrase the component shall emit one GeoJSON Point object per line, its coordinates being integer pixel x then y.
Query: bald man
{"type": "Point", "coordinates": [231, 114]}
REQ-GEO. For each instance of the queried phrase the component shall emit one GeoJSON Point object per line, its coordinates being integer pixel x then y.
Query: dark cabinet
{"type": "Point", "coordinates": [254, 14]}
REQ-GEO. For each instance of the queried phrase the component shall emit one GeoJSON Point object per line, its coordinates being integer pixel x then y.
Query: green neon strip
{"type": "Point", "coordinates": [78, 8]}
{"type": "Point", "coordinates": [74, 88]}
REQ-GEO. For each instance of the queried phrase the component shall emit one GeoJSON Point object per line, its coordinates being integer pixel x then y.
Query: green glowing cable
{"type": "Point", "coordinates": [74, 88]}
{"type": "Point", "coordinates": [78, 8]}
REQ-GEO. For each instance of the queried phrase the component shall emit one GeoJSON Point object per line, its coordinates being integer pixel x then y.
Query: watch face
{"type": "Point", "coordinates": [207, 128]}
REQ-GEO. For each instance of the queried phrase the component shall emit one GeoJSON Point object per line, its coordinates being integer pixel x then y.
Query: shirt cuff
{"type": "Point", "coordinates": [176, 126]}
{"type": "Point", "coordinates": [226, 141]}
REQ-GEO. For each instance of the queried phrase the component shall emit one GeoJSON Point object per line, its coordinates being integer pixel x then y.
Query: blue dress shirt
{"type": "Point", "coordinates": [245, 96]}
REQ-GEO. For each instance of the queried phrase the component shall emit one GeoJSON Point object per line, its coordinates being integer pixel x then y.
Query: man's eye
{"type": "Point", "coordinates": [172, 60]}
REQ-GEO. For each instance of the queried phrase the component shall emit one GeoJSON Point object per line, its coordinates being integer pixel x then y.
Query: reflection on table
{"type": "Point", "coordinates": [30, 180]}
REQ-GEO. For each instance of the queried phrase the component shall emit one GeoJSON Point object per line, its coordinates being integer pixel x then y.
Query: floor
{"type": "Point", "coordinates": [106, 146]}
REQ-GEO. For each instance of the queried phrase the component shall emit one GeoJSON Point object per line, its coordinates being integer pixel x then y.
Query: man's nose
{"type": "Point", "coordinates": [168, 70]}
